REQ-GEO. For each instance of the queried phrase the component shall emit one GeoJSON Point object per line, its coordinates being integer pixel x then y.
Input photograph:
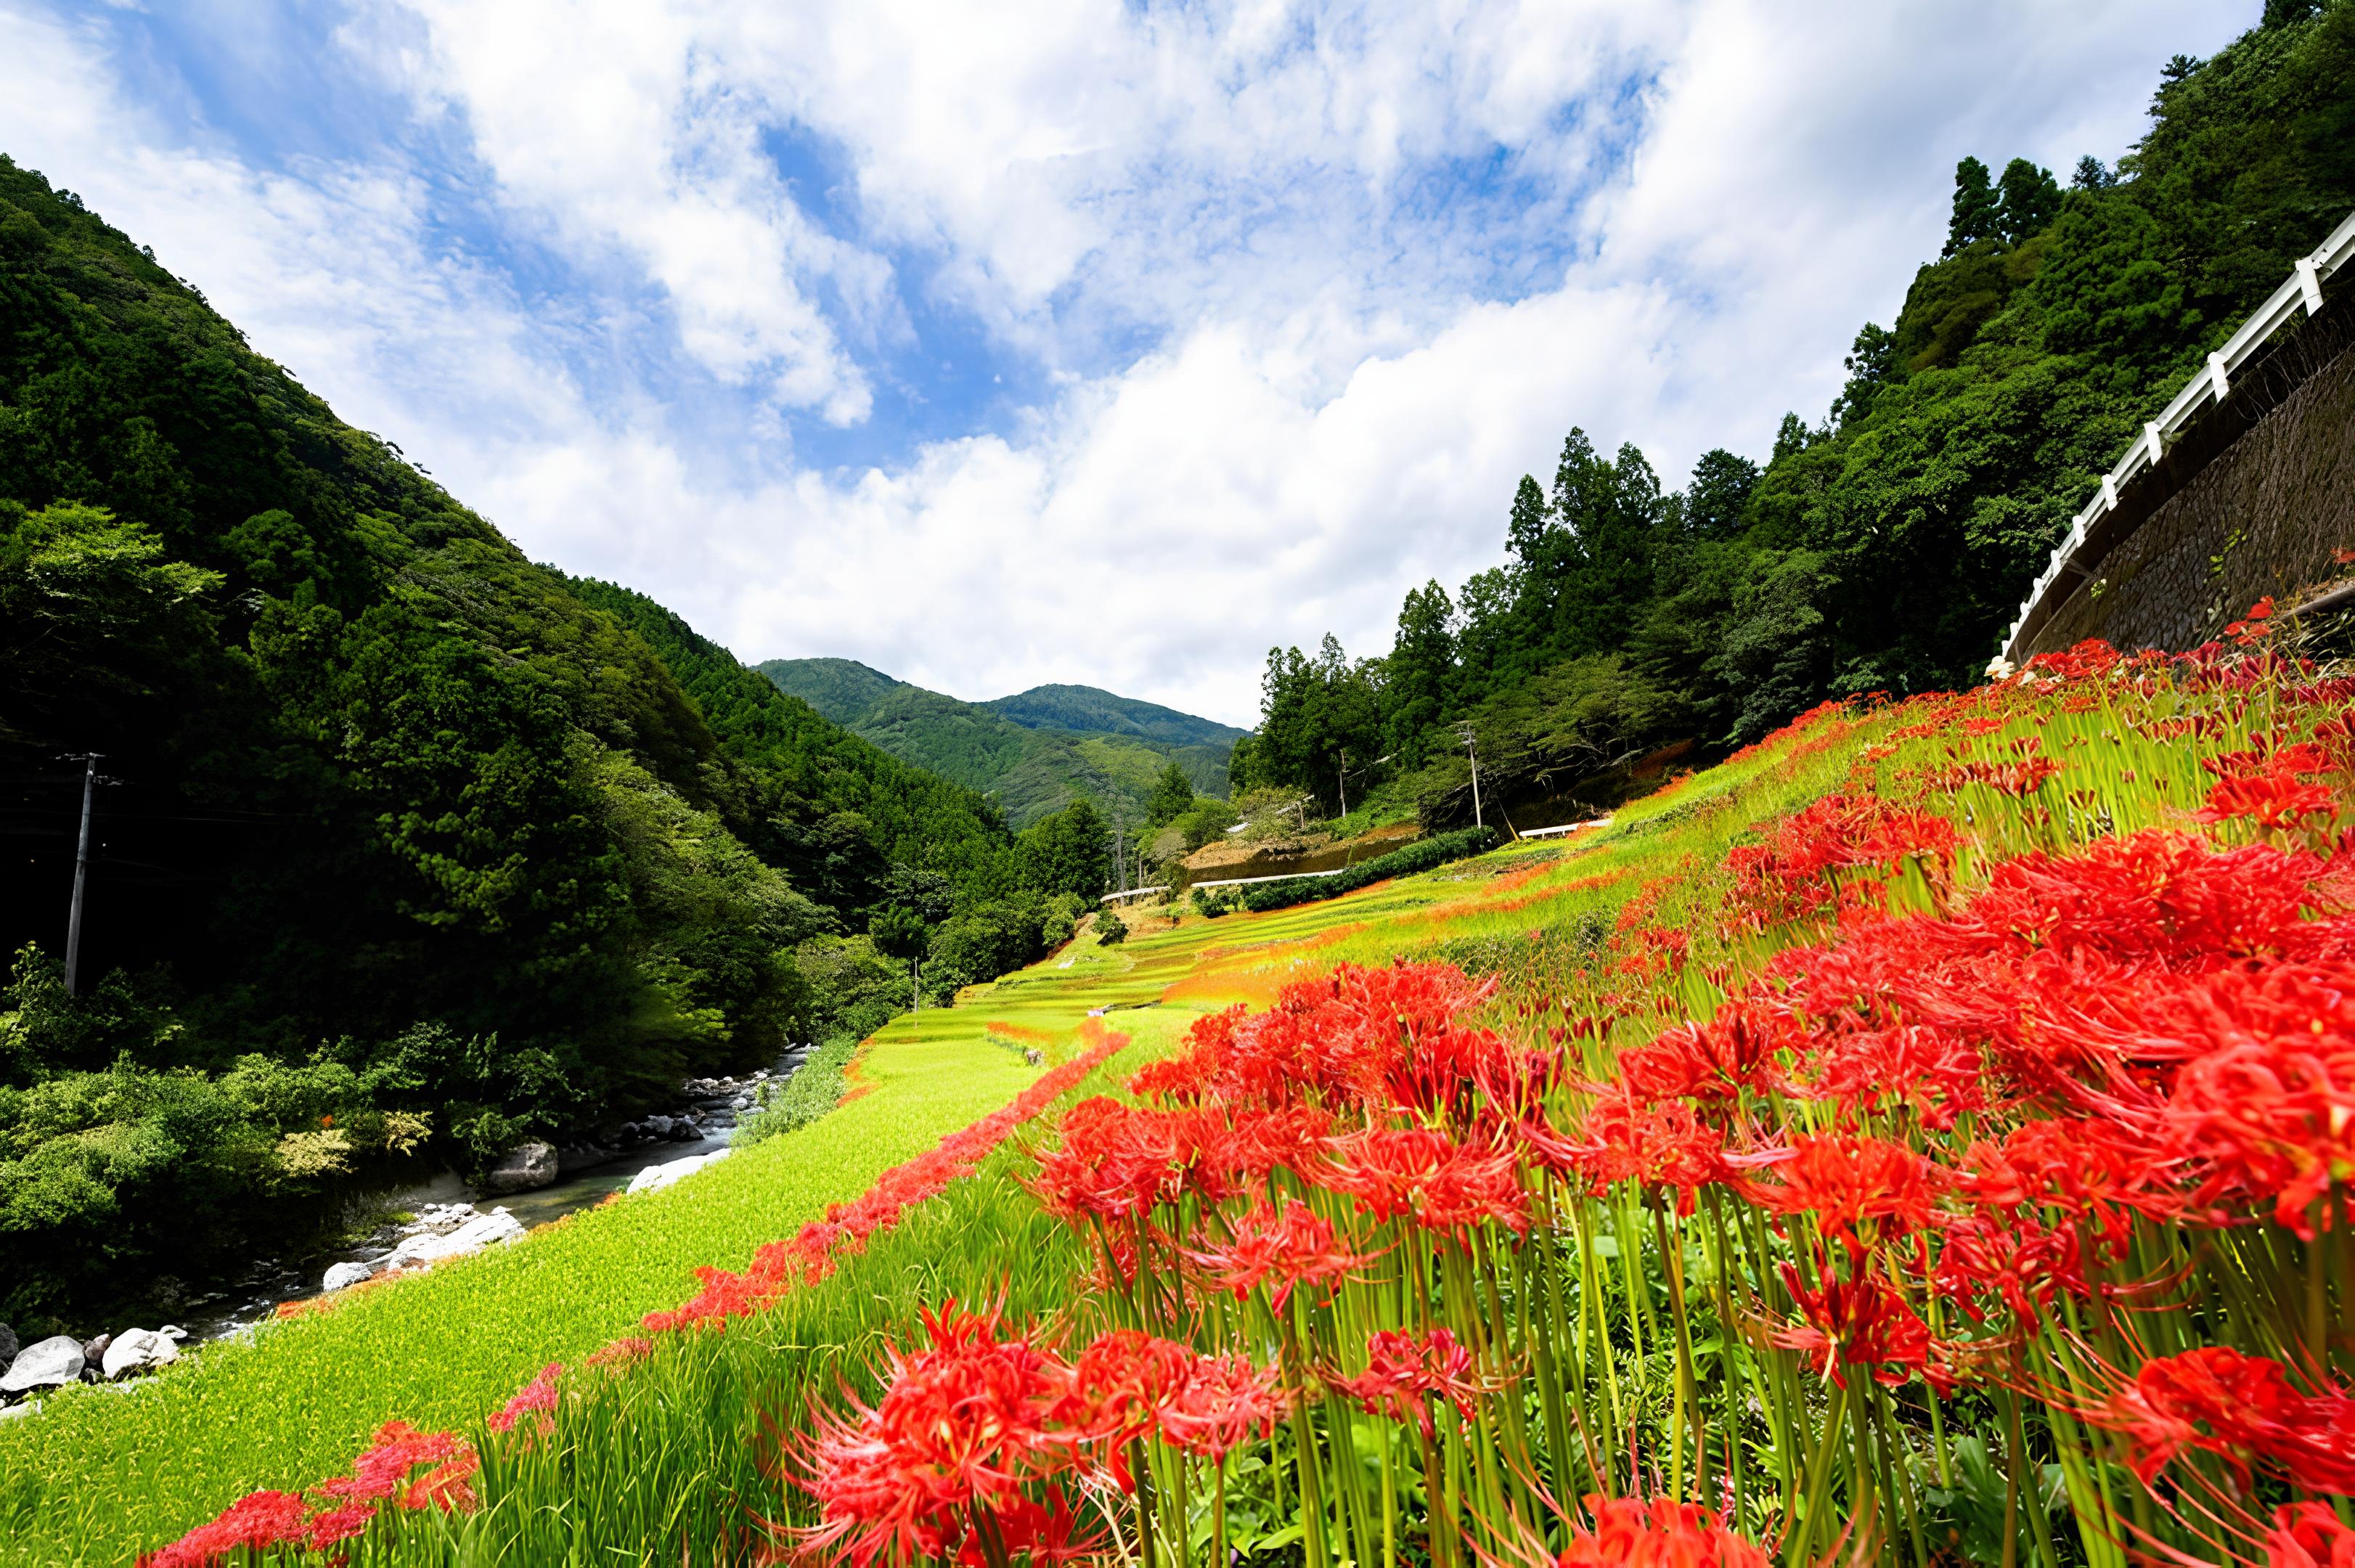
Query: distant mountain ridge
{"type": "Point", "coordinates": [1033, 752]}
{"type": "Point", "coordinates": [1091, 710]}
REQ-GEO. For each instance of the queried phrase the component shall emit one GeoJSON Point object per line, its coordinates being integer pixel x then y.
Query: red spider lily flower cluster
{"type": "Point", "coordinates": [535, 1399]}
{"type": "Point", "coordinates": [1366, 1084]}
{"type": "Point", "coordinates": [387, 1473]}
{"type": "Point", "coordinates": [1284, 1248]}
{"type": "Point", "coordinates": [2308, 1535]}
{"type": "Point", "coordinates": [2270, 788]}
{"type": "Point", "coordinates": [810, 1255]}
{"type": "Point", "coordinates": [1404, 1373]}
{"type": "Point", "coordinates": [1862, 1322]}
{"type": "Point", "coordinates": [1663, 1533]}
{"type": "Point", "coordinates": [984, 1436]}
{"type": "Point", "coordinates": [2239, 1407]}
{"type": "Point", "coordinates": [1791, 876]}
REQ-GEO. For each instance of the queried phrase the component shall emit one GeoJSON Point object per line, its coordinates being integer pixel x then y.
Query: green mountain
{"type": "Point", "coordinates": [1089, 710]}
{"type": "Point", "coordinates": [842, 690]}
{"type": "Point", "coordinates": [407, 849]}
{"type": "Point", "coordinates": [1033, 753]}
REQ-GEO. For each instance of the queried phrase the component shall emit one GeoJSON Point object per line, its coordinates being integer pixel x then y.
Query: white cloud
{"type": "Point", "coordinates": [1697, 205]}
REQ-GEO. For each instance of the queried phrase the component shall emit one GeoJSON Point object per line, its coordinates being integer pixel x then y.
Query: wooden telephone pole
{"type": "Point", "coordinates": [81, 871]}
{"type": "Point", "coordinates": [1471, 751]}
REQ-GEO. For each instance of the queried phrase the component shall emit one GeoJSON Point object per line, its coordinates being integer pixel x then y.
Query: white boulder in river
{"type": "Point", "coordinates": [51, 1363]}
{"type": "Point", "coordinates": [524, 1169]}
{"type": "Point", "coordinates": [655, 1177]}
{"type": "Point", "coordinates": [139, 1351]}
{"type": "Point", "coordinates": [343, 1275]}
{"type": "Point", "coordinates": [481, 1231]}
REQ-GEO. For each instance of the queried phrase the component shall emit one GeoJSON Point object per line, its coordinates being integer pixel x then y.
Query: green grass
{"type": "Point", "coordinates": [101, 1474]}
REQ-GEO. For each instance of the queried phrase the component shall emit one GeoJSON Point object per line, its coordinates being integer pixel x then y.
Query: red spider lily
{"type": "Point", "coordinates": [1789, 877]}
{"type": "Point", "coordinates": [1621, 1139]}
{"type": "Point", "coordinates": [777, 1266]}
{"type": "Point", "coordinates": [2015, 779]}
{"type": "Point", "coordinates": [1404, 1370]}
{"type": "Point", "coordinates": [2266, 1107]}
{"type": "Point", "coordinates": [1734, 1053]}
{"type": "Point", "coordinates": [1182, 1079]}
{"type": "Point", "coordinates": [1448, 1072]}
{"type": "Point", "coordinates": [624, 1352]}
{"type": "Point", "coordinates": [964, 1425]}
{"type": "Point", "coordinates": [2241, 1408]}
{"type": "Point", "coordinates": [1118, 1385]}
{"type": "Point", "coordinates": [2019, 1260]}
{"type": "Point", "coordinates": [2161, 895]}
{"type": "Point", "coordinates": [1442, 1185]}
{"type": "Point", "coordinates": [2255, 626]}
{"type": "Point", "coordinates": [341, 1524]}
{"type": "Point", "coordinates": [1224, 1402]}
{"type": "Point", "coordinates": [255, 1522]}
{"type": "Point", "coordinates": [1119, 1162]}
{"type": "Point", "coordinates": [1860, 1323]}
{"type": "Point", "coordinates": [2308, 1535]}
{"type": "Point", "coordinates": [2274, 799]}
{"type": "Point", "coordinates": [1128, 1383]}
{"type": "Point", "coordinates": [260, 1520]}
{"type": "Point", "coordinates": [382, 1474]}
{"type": "Point", "coordinates": [1663, 1533]}
{"type": "Point", "coordinates": [1283, 1248]}
{"type": "Point", "coordinates": [1861, 1190]}
{"type": "Point", "coordinates": [2089, 660]}
{"type": "Point", "coordinates": [1355, 1040]}
{"type": "Point", "coordinates": [1937, 1073]}
{"type": "Point", "coordinates": [535, 1399]}
{"type": "Point", "coordinates": [2093, 1171]}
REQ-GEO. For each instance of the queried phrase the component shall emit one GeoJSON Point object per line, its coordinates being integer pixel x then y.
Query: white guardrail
{"type": "Point", "coordinates": [2210, 387]}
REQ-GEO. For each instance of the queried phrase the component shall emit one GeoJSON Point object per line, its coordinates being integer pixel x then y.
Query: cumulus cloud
{"type": "Point", "coordinates": [1306, 286]}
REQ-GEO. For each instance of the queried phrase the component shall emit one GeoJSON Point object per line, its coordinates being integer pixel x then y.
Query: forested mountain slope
{"type": "Point", "coordinates": [1091, 710]}
{"type": "Point", "coordinates": [1884, 546]}
{"type": "Point", "coordinates": [411, 848]}
{"type": "Point", "coordinates": [1033, 753]}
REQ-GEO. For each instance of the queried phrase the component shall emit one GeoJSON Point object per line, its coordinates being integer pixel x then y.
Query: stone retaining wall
{"type": "Point", "coordinates": [2254, 500]}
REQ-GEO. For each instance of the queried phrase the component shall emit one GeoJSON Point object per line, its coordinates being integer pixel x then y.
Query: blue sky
{"type": "Point", "coordinates": [1076, 340]}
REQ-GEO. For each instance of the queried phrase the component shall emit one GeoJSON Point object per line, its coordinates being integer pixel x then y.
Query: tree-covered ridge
{"type": "Point", "coordinates": [1091, 710]}
{"type": "Point", "coordinates": [842, 690]}
{"type": "Point", "coordinates": [1025, 752]}
{"type": "Point", "coordinates": [835, 809]}
{"type": "Point", "coordinates": [1885, 547]}
{"type": "Point", "coordinates": [416, 848]}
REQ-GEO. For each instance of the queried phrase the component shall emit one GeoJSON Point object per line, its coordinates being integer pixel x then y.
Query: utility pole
{"type": "Point", "coordinates": [1469, 751]}
{"type": "Point", "coordinates": [1341, 772]}
{"type": "Point", "coordinates": [1120, 848]}
{"type": "Point", "coordinates": [81, 871]}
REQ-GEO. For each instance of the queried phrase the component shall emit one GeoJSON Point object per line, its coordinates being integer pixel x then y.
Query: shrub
{"type": "Point", "coordinates": [812, 1090]}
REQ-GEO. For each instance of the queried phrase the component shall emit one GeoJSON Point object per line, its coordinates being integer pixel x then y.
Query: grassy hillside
{"type": "Point", "coordinates": [1018, 751]}
{"type": "Point", "coordinates": [1631, 1307]}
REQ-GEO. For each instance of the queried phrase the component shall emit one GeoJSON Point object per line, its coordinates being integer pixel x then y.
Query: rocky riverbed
{"type": "Point", "coordinates": [442, 1219]}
